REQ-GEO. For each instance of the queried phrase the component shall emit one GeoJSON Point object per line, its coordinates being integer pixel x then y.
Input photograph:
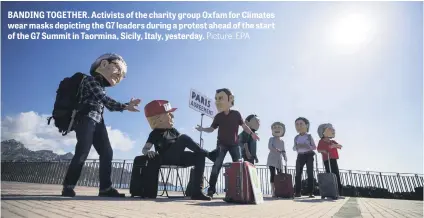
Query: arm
{"type": "Point", "coordinates": [208, 129]}
{"type": "Point", "coordinates": [147, 147]}
{"type": "Point", "coordinates": [246, 128]}
{"type": "Point", "coordinates": [294, 144]}
{"type": "Point", "coordinates": [214, 125]}
{"type": "Point", "coordinates": [270, 145]}
{"type": "Point", "coordinates": [321, 147]}
{"type": "Point", "coordinates": [96, 89]}
{"type": "Point", "coordinates": [313, 146]}
{"type": "Point", "coordinates": [337, 145]}
{"type": "Point", "coordinates": [149, 143]}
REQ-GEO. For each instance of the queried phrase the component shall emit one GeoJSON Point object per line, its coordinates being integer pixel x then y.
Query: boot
{"type": "Point", "coordinates": [273, 190]}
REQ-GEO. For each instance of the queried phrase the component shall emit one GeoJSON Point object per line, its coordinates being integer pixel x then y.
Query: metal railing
{"type": "Point", "coordinates": [53, 173]}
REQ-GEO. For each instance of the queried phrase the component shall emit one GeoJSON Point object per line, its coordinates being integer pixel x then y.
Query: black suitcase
{"type": "Point", "coordinates": [328, 186]}
{"type": "Point", "coordinates": [145, 177]}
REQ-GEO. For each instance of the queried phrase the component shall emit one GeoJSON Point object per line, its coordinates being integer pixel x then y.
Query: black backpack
{"type": "Point", "coordinates": [66, 104]}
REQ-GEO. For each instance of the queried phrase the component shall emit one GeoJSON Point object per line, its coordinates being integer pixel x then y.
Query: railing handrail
{"type": "Point", "coordinates": [210, 163]}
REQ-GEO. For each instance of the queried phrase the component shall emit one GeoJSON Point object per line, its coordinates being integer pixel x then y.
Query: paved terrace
{"type": "Point", "coordinates": [43, 200]}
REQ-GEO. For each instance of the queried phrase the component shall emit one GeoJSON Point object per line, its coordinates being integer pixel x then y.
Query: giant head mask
{"type": "Point", "coordinates": [302, 125]}
{"type": "Point", "coordinates": [159, 114]}
{"type": "Point", "coordinates": [326, 130]}
{"type": "Point", "coordinates": [111, 66]}
{"type": "Point", "coordinates": [253, 122]}
{"type": "Point", "coordinates": [224, 99]}
{"type": "Point", "coordinates": [278, 129]}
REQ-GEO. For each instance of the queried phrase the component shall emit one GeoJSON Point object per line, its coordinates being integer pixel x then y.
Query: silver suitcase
{"type": "Point", "coordinates": [328, 183]}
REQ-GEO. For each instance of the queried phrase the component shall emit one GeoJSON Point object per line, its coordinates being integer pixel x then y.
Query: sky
{"type": "Point", "coordinates": [357, 65]}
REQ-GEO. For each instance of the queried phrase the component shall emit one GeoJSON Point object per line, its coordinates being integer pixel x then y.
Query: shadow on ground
{"type": "Point", "coordinates": [83, 198]}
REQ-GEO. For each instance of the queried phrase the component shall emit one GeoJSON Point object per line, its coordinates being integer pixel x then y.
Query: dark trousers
{"type": "Point", "coordinates": [176, 155]}
{"type": "Point", "coordinates": [272, 173]}
{"type": "Point", "coordinates": [335, 170]}
{"type": "Point", "coordinates": [235, 153]}
{"type": "Point", "coordinates": [302, 159]}
{"type": "Point", "coordinates": [90, 133]}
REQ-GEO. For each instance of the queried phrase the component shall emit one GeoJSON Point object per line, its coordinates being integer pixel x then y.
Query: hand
{"type": "Point", "coordinates": [199, 128]}
{"type": "Point", "coordinates": [324, 152]}
{"type": "Point", "coordinates": [132, 105]}
{"type": "Point", "coordinates": [151, 154]}
{"type": "Point", "coordinates": [255, 137]}
{"type": "Point", "coordinates": [285, 158]}
{"type": "Point", "coordinates": [256, 160]}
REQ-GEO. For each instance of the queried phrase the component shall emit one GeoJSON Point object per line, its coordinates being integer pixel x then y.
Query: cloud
{"type": "Point", "coordinates": [32, 130]}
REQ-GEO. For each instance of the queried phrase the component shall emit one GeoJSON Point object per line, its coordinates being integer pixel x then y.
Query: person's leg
{"type": "Point", "coordinates": [235, 152]}
{"type": "Point", "coordinates": [185, 141]}
{"type": "Point", "coordinates": [300, 163]}
{"type": "Point", "coordinates": [272, 174]}
{"type": "Point", "coordinates": [335, 170]}
{"type": "Point", "coordinates": [84, 132]}
{"type": "Point", "coordinates": [102, 145]}
{"type": "Point", "coordinates": [197, 160]}
{"type": "Point", "coordinates": [222, 151]}
{"type": "Point", "coordinates": [310, 172]}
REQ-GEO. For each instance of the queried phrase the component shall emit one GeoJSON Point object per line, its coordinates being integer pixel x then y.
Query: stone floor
{"type": "Point", "coordinates": [40, 200]}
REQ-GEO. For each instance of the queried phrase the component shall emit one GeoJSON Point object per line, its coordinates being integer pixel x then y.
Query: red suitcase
{"type": "Point", "coordinates": [283, 184]}
{"type": "Point", "coordinates": [238, 187]}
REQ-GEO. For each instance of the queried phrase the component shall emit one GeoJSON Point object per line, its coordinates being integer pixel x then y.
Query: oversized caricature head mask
{"type": "Point", "coordinates": [326, 130]}
{"type": "Point", "coordinates": [302, 125]}
{"type": "Point", "coordinates": [111, 66]}
{"type": "Point", "coordinates": [159, 114]}
{"type": "Point", "coordinates": [253, 122]}
{"type": "Point", "coordinates": [278, 129]}
{"type": "Point", "coordinates": [224, 99]}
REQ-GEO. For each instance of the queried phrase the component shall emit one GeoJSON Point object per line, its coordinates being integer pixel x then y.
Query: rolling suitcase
{"type": "Point", "coordinates": [283, 184]}
{"type": "Point", "coordinates": [238, 187]}
{"type": "Point", "coordinates": [145, 176]}
{"type": "Point", "coordinates": [328, 187]}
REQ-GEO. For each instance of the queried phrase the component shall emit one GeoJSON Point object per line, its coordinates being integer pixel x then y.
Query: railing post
{"type": "Point", "coordinates": [122, 172]}
{"type": "Point", "coordinates": [381, 179]}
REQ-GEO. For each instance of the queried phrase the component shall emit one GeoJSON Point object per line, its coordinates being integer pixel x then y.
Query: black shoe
{"type": "Point", "coordinates": [297, 195]}
{"type": "Point", "coordinates": [111, 192]}
{"type": "Point", "coordinates": [312, 196]}
{"type": "Point", "coordinates": [68, 192]}
{"type": "Point", "coordinates": [201, 197]}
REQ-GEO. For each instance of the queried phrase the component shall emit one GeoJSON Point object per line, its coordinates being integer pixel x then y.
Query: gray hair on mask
{"type": "Point", "coordinates": [110, 57]}
{"type": "Point", "coordinates": [322, 128]}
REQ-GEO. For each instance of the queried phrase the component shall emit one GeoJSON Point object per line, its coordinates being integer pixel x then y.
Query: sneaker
{"type": "Point", "coordinates": [312, 196]}
{"type": "Point", "coordinates": [111, 192]}
{"type": "Point", "coordinates": [201, 197]}
{"type": "Point", "coordinates": [68, 192]}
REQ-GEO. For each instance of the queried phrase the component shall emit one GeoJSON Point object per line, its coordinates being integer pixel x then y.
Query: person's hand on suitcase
{"type": "Point", "coordinates": [151, 154]}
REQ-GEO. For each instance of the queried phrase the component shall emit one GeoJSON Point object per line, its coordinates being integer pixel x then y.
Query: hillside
{"type": "Point", "coordinates": [12, 150]}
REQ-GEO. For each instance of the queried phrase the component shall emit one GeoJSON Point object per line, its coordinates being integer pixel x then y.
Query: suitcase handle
{"type": "Point", "coordinates": [328, 159]}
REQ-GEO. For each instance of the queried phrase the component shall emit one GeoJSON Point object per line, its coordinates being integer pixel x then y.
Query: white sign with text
{"type": "Point", "coordinates": [202, 104]}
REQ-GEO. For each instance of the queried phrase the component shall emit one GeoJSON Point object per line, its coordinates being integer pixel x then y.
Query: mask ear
{"type": "Point", "coordinates": [231, 99]}
{"type": "Point", "coordinates": [103, 63]}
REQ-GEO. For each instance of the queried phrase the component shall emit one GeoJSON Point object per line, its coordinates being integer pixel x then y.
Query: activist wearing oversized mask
{"type": "Point", "coordinates": [328, 148]}
{"type": "Point", "coordinates": [276, 152]}
{"type": "Point", "coordinates": [170, 144]}
{"type": "Point", "coordinates": [227, 122]}
{"type": "Point", "coordinates": [304, 144]}
{"type": "Point", "coordinates": [111, 66]}
{"type": "Point", "coordinates": [107, 70]}
{"type": "Point", "coordinates": [246, 142]}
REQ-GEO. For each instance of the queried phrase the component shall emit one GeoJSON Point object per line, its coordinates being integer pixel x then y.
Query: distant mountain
{"type": "Point", "coordinates": [12, 150]}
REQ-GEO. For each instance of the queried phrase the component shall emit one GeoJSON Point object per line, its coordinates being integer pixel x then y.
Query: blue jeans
{"type": "Point", "coordinates": [90, 133]}
{"type": "Point", "coordinates": [235, 153]}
